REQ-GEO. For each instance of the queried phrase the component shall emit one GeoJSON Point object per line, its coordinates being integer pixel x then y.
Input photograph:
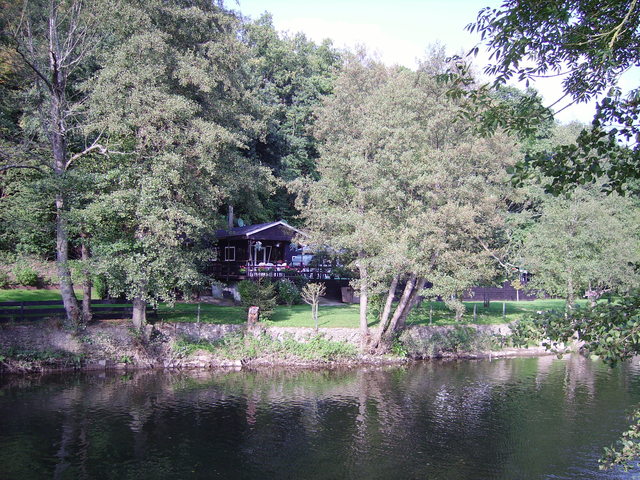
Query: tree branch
{"type": "Point", "coordinates": [101, 149]}
{"type": "Point", "coordinates": [35, 69]}
{"type": "Point", "coordinates": [8, 167]}
{"type": "Point", "coordinates": [504, 264]}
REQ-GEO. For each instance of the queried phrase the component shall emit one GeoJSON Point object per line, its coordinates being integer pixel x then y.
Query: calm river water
{"type": "Point", "coordinates": [528, 418]}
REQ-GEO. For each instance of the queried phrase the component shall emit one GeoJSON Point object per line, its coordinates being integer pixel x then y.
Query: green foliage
{"type": "Point", "coordinates": [185, 346]}
{"type": "Point", "coordinates": [288, 293]}
{"type": "Point", "coordinates": [300, 281]}
{"type": "Point", "coordinates": [293, 75]}
{"type": "Point", "coordinates": [589, 241]}
{"type": "Point", "coordinates": [174, 95]}
{"type": "Point", "coordinates": [264, 347]}
{"type": "Point", "coordinates": [387, 134]}
{"type": "Point", "coordinates": [526, 332]}
{"type": "Point", "coordinates": [260, 293]}
{"type": "Point", "coordinates": [4, 279]}
{"type": "Point", "coordinates": [626, 452]}
{"type": "Point", "coordinates": [100, 287]}
{"type": "Point", "coordinates": [454, 341]}
{"type": "Point", "coordinates": [398, 348]}
{"type": "Point", "coordinates": [26, 358]}
{"type": "Point", "coordinates": [608, 330]}
{"type": "Point", "coordinates": [25, 275]}
{"type": "Point", "coordinates": [590, 44]}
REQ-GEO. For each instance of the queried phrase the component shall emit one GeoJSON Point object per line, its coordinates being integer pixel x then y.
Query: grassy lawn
{"type": "Point", "coordinates": [295, 316]}
{"type": "Point", "coordinates": [188, 312]}
{"type": "Point", "coordinates": [434, 313]}
{"type": "Point", "coordinates": [347, 315]}
{"type": "Point", "coordinates": [20, 295]}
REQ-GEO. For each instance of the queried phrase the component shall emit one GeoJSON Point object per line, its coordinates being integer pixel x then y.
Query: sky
{"type": "Point", "coordinates": [400, 31]}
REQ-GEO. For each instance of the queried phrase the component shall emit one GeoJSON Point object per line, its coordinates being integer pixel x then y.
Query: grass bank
{"type": "Point", "coordinates": [345, 316]}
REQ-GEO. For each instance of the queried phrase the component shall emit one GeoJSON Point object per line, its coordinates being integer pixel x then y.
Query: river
{"type": "Point", "coordinates": [511, 419]}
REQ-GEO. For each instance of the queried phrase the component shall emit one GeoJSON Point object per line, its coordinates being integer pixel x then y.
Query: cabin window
{"type": "Point", "coordinates": [229, 254]}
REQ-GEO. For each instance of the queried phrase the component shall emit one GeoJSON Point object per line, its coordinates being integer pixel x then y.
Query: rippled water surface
{"type": "Point", "coordinates": [530, 418]}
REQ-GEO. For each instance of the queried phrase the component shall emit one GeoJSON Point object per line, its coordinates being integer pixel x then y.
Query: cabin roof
{"type": "Point", "coordinates": [253, 231]}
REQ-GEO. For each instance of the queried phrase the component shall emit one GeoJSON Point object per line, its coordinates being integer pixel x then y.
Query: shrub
{"type": "Point", "coordinates": [525, 332]}
{"type": "Point", "coordinates": [299, 281]}
{"type": "Point", "coordinates": [26, 275]}
{"type": "Point", "coordinates": [260, 293]}
{"type": "Point", "coordinates": [288, 293]}
{"type": "Point", "coordinates": [4, 280]}
{"type": "Point", "coordinates": [316, 348]}
{"type": "Point", "coordinates": [451, 341]}
{"type": "Point", "coordinates": [100, 285]}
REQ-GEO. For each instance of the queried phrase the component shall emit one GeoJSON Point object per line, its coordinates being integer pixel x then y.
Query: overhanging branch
{"type": "Point", "coordinates": [9, 167]}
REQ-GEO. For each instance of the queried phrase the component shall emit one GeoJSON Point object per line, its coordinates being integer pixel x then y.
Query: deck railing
{"type": "Point", "coordinates": [235, 271]}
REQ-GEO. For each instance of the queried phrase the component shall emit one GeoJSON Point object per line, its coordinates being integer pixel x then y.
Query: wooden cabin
{"type": "Point", "coordinates": [265, 248]}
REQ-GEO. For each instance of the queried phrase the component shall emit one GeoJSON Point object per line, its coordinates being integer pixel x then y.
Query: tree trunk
{"type": "Point", "coordinates": [87, 284]}
{"type": "Point", "coordinates": [384, 317]}
{"type": "Point", "coordinates": [386, 312]}
{"type": "Point", "coordinates": [139, 317]}
{"type": "Point", "coordinates": [62, 262]}
{"type": "Point", "coordinates": [364, 298]}
{"type": "Point", "coordinates": [57, 138]}
{"type": "Point", "coordinates": [315, 314]}
{"type": "Point", "coordinates": [571, 299]}
{"type": "Point", "coordinates": [413, 300]}
{"type": "Point", "coordinates": [384, 337]}
{"type": "Point", "coordinates": [230, 216]}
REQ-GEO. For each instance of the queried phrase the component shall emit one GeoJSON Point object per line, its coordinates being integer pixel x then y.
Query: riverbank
{"type": "Point", "coordinates": [114, 345]}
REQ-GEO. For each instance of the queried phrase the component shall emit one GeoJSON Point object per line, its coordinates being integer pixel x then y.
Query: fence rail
{"type": "Point", "coordinates": [37, 310]}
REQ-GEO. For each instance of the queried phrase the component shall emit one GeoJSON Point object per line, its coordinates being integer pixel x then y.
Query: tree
{"type": "Point", "coordinates": [56, 41]}
{"type": "Point", "coordinates": [592, 44]}
{"type": "Point", "coordinates": [292, 75]}
{"type": "Point", "coordinates": [589, 44]}
{"type": "Point", "coordinates": [585, 243]}
{"type": "Point", "coordinates": [173, 94]}
{"type": "Point", "coordinates": [311, 294]}
{"type": "Point", "coordinates": [410, 194]}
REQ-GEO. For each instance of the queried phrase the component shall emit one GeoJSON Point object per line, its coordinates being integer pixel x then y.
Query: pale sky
{"type": "Point", "coordinates": [399, 31]}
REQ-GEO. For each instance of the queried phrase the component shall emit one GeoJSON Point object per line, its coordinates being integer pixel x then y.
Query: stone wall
{"type": "Point", "coordinates": [116, 345]}
{"type": "Point", "coordinates": [48, 336]}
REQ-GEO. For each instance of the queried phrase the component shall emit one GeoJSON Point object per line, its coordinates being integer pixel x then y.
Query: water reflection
{"type": "Point", "coordinates": [505, 419]}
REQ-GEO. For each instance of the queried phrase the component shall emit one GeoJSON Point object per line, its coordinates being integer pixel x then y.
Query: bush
{"type": "Point", "coordinates": [288, 293]}
{"type": "Point", "coordinates": [26, 275]}
{"type": "Point", "coordinates": [316, 348]}
{"type": "Point", "coordinates": [525, 332]}
{"type": "Point", "coordinates": [299, 281]}
{"type": "Point", "coordinates": [100, 285]}
{"type": "Point", "coordinates": [261, 293]}
{"type": "Point", "coordinates": [4, 280]}
{"type": "Point", "coordinates": [457, 340]}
